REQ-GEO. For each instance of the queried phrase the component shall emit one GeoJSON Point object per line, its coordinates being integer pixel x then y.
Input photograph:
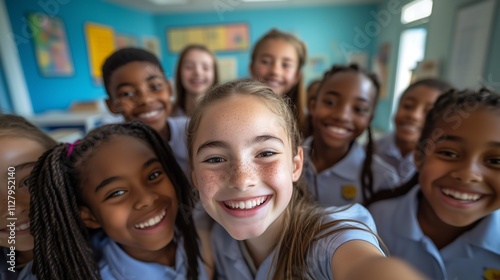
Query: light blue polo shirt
{"type": "Point", "coordinates": [231, 264]}
{"type": "Point", "coordinates": [178, 142]}
{"type": "Point", "coordinates": [115, 264]}
{"type": "Point", "coordinates": [473, 255]}
{"type": "Point", "coordinates": [341, 184]}
{"type": "Point", "coordinates": [387, 150]}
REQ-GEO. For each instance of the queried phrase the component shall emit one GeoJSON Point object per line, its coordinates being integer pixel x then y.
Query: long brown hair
{"type": "Point", "coordinates": [297, 93]}
{"type": "Point", "coordinates": [17, 126]}
{"type": "Point", "coordinates": [180, 90]}
{"type": "Point", "coordinates": [291, 260]}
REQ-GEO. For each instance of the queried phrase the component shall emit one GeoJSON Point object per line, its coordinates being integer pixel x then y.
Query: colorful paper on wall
{"type": "Point", "coordinates": [100, 44]}
{"type": "Point", "coordinates": [51, 46]}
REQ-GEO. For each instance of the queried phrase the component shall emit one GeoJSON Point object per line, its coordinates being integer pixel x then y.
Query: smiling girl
{"type": "Point", "coordinates": [246, 162]}
{"type": "Point", "coordinates": [446, 221]}
{"type": "Point", "coordinates": [21, 144]}
{"type": "Point", "coordinates": [122, 182]}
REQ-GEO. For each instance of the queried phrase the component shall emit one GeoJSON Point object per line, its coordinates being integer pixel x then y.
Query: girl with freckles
{"type": "Point", "coordinates": [246, 161]}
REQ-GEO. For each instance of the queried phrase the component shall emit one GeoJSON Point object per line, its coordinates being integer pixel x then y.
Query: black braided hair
{"type": "Point", "coordinates": [437, 84]}
{"type": "Point", "coordinates": [451, 102]}
{"type": "Point", "coordinates": [124, 56]}
{"type": "Point", "coordinates": [366, 171]}
{"type": "Point", "coordinates": [62, 248]}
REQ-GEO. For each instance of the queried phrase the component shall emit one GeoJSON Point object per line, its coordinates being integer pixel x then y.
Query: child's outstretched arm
{"type": "Point", "coordinates": [355, 260]}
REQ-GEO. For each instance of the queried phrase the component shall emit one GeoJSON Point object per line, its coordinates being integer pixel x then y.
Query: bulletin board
{"type": "Point", "coordinates": [231, 37]}
{"type": "Point", "coordinates": [100, 44]}
{"type": "Point", "coordinates": [470, 43]}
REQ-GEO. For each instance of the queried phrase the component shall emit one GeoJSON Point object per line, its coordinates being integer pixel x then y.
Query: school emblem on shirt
{"type": "Point", "coordinates": [349, 192]}
{"type": "Point", "coordinates": [491, 274]}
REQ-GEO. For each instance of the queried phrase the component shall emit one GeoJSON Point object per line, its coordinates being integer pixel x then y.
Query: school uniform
{"type": "Point", "coordinates": [114, 263]}
{"type": "Point", "coordinates": [387, 150]}
{"type": "Point", "coordinates": [233, 261]}
{"type": "Point", "coordinates": [23, 273]}
{"type": "Point", "coordinates": [473, 255]}
{"type": "Point", "coordinates": [178, 142]}
{"type": "Point", "coordinates": [341, 184]}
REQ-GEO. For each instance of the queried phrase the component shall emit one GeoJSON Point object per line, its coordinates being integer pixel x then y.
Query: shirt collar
{"type": "Point", "coordinates": [344, 167]}
{"type": "Point", "coordinates": [121, 264]}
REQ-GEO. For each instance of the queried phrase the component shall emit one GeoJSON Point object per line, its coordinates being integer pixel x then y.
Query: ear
{"type": "Point", "coordinates": [311, 104]}
{"type": "Point", "coordinates": [88, 218]}
{"type": "Point", "coordinates": [112, 107]}
{"type": "Point", "coordinates": [250, 69]}
{"type": "Point", "coordinates": [298, 161]}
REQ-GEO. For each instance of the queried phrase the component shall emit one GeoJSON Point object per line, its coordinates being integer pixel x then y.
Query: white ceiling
{"type": "Point", "coordinates": [176, 6]}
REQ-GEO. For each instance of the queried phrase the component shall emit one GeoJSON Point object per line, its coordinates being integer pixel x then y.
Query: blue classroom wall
{"type": "Point", "coordinates": [58, 93]}
{"type": "Point", "coordinates": [5, 103]}
{"type": "Point", "coordinates": [323, 28]}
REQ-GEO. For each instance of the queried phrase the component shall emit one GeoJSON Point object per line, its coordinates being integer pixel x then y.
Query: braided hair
{"type": "Point", "coordinates": [62, 248]}
{"type": "Point", "coordinates": [366, 172]}
{"type": "Point", "coordinates": [450, 103]}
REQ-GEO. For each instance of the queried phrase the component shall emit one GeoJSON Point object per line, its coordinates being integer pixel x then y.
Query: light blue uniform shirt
{"type": "Point", "coordinates": [231, 264]}
{"type": "Point", "coordinates": [473, 255]}
{"type": "Point", "coordinates": [387, 150]}
{"type": "Point", "coordinates": [19, 274]}
{"type": "Point", "coordinates": [178, 142]}
{"type": "Point", "coordinates": [341, 184]}
{"type": "Point", "coordinates": [115, 264]}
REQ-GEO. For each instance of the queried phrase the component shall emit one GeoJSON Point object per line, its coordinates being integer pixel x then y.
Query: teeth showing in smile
{"type": "Point", "coordinates": [273, 83]}
{"type": "Point", "coordinates": [410, 127]}
{"type": "Point", "coordinates": [23, 227]}
{"type": "Point", "coordinates": [337, 130]}
{"type": "Point", "coordinates": [150, 114]}
{"type": "Point", "coordinates": [151, 222]}
{"type": "Point", "coordinates": [461, 195]}
{"type": "Point", "coordinates": [246, 204]}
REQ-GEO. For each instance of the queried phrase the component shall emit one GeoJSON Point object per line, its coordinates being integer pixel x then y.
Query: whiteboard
{"type": "Point", "coordinates": [470, 44]}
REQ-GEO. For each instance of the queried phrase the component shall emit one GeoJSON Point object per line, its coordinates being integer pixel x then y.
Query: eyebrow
{"type": "Point", "coordinates": [225, 145]}
{"type": "Point", "coordinates": [24, 165]}
{"type": "Point", "coordinates": [337, 94]}
{"type": "Point", "coordinates": [149, 78]}
{"type": "Point", "coordinates": [117, 178]}
{"type": "Point", "coordinates": [461, 140]}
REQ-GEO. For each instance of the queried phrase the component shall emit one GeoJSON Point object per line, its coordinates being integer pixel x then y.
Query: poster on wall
{"type": "Point", "coordinates": [228, 70]}
{"type": "Point", "coordinates": [231, 37]}
{"type": "Point", "coordinates": [100, 44]}
{"type": "Point", "coordinates": [152, 44]}
{"type": "Point", "coordinates": [51, 45]}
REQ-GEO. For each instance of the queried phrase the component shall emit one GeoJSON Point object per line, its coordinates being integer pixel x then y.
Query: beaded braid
{"type": "Point", "coordinates": [366, 171]}
{"type": "Point", "coordinates": [56, 202]}
{"type": "Point", "coordinates": [452, 101]}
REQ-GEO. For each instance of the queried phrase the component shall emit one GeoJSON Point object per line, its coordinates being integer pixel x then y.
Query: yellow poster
{"type": "Point", "coordinates": [100, 44]}
{"type": "Point", "coordinates": [232, 37]}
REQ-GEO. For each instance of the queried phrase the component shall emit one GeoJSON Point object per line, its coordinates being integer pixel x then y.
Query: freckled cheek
{"type": "Point", "coordinates": [209, 182]}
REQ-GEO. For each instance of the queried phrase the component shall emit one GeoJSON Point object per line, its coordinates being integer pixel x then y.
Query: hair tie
{"type": "Point", "coordinates": [71, 147]}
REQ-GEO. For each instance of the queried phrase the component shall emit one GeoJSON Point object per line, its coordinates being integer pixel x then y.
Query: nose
{"type": "Point", "coordinates": [416, 114]}
{"type": "Point", "coordinates": [144, 197]}
{"type": "Point", "coordinates": [342, 113]}
{"type": "Point", "coordinates": [243, 176]}
{"type": "Point", "coordinates": [275, 68]}
{"type": "Point", "coordinates": [143, 95]}
{"type": "Point", "coordinates": [468, 172]}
